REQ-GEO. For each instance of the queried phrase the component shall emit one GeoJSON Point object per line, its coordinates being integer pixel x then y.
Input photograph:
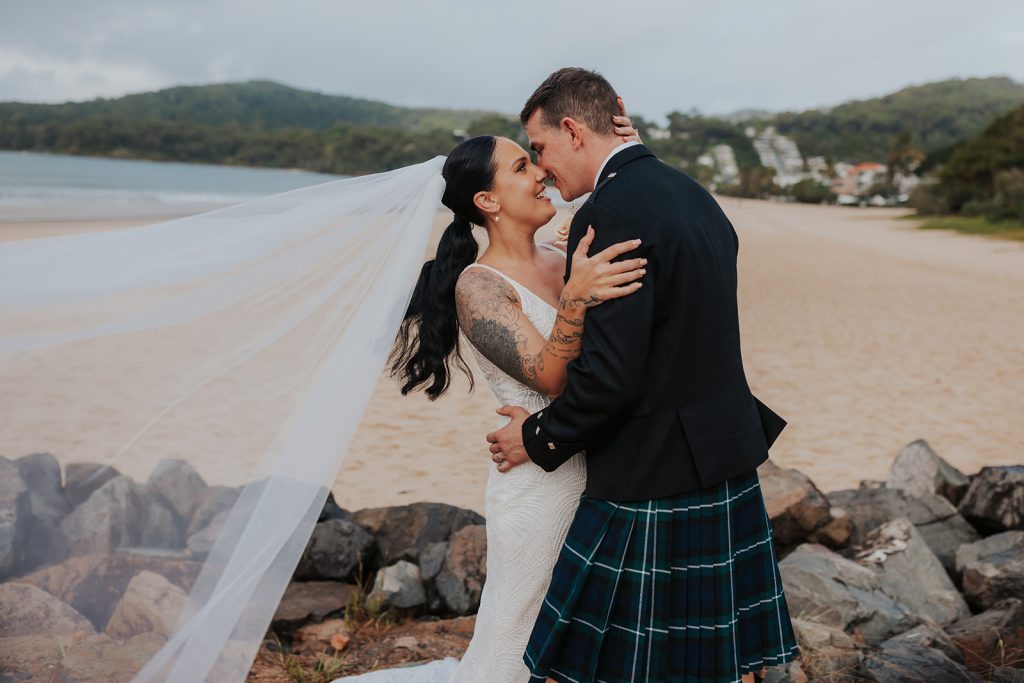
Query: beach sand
{"type": "Point", "coordinates": [864, 332]}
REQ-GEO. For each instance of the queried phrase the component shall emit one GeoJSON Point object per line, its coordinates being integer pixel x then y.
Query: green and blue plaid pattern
{"type": "Point", "coordinates": [678, 589]}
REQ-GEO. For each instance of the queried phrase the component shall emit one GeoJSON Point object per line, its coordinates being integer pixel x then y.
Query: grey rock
{"type": "Point", "coordinates": [432, 560]}
{"type": "Point", "coordinates": [906, 662]}
{"type": "Point", "coordinates": [180, 486]}
{"type": "Point", "coordinates": [992, 568]}
{"type": "Point", "coordinates": [823, 587]}
{"type": "Point", "coordinates": [160, 528]}
{"type": "Point", "coordinates": [201, 542]}
{"type": "Point", "coordinates": [910, 572]}
{"type": "Point", "coordinates": [307, 601]}
{"type": "Point", "coordinates": [15, 515]}
{"type": "Point", "coordinates": [403, 531]}
{"type": "Point", "coordinates": [81, 479]}
{"type": "Point", "coordinates": [995, 500]}
{"type": "Point", "coordinates": [338, 549]}
{"type": "Point", "coordinates": [461, 580]}
{"type": "Point", "coordinates": [213, 501]}
{"type": "Point", "coordinates": [930, 635]}
{"type": "Point", "coordinates": [399, 586]}
{"type": "Point", "coordinates": [1006, 674]}
{"type": "Point", "coordinates": [941, 526]}
{"type": "Point", "coordinates": [332, 510]}
{"type": "Point", "coordinates": [795, 506]}
{"type": "Point", "coordinates": [26, 610]}
{"type": "Point", "coordinates": [41, 474]}
{"type": "Point", "coordinates": [918, 471]}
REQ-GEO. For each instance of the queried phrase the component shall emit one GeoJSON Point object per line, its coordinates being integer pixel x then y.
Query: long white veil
{"type": "Point", "coordinates": [239, 346]}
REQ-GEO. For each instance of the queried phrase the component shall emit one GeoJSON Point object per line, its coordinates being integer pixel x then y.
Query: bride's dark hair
{"type": "Point", "coordinates": [428, 340]}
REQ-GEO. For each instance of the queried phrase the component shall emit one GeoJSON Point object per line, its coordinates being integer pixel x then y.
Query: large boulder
{"type": "Point", "coordinates": [201, 542]}
{"type": "Point", "coordinates": [82, 478]}
{"type": "Point", "coordinates": [795, 506]}
{"type": "Point", "coordinates": [995, 500]}
{"type": "Point", "coordinates": [399, 586]}
{"type": "Point", "coordinates": [213, 501]}
{"type": "Point", "coordinates": [151, 604]}
{"type": "Point", "coordinates": [911, 573]}
{"type": "Point", "coordinates": [918, 471]}
{"type": "Point", "coordinates": [306, 601]}
{"type": "Point", "coordinates": [995, 635]}
{"type": "Point", "coordinates": [93, 584]}
{"type": "Point", "coordinates": [48, 507]}
{"type": "Point", "coordinates": [15, 516]}
{"type": "Point", "coordinates": [34, 627]}
{"type": "Point", "coordinates": [939, 523]}
{"type": "Point", "coordinates": [461, 579]}
{"type": "Point", "coordinates": [992, 568]}
{"type": "Point", "coordinates": [826, 588]}
{"type": "Point", "coordinates": [112, 517]}
{"type": "Point", "coordinates": [403, 531]}
{"type": "Point", "coordinates": [338, 549]}
{"type": "Point", "coordinates": [906, 662]}
{"type": "Point", "coordinates": [179, 485]}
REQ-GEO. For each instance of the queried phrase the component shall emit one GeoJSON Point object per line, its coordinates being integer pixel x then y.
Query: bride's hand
{"type": "Point", "coordinates": [595, 279]}
{"type": "Point", "coordinates": [623, 126]}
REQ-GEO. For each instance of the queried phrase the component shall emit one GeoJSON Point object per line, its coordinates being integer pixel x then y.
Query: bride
{"type": "Point", "coordinates": [524, 326]}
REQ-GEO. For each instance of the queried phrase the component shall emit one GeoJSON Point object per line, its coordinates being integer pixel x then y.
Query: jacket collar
{"type": "Point", "coordinates": [620, 159]}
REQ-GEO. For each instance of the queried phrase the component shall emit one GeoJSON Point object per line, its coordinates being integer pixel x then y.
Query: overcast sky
{"type": "Point", "coordinates": [717, 56]}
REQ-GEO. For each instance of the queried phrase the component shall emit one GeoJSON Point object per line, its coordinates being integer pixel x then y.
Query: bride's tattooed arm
{"type": "Point", "coordinates": [491, 316]}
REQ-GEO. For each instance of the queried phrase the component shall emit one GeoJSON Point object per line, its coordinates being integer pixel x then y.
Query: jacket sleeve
{"type": "Point", "coordinates": [607, 381]}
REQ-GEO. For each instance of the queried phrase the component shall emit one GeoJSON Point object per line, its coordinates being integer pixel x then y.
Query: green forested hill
{"type": "Point", "coordinates": [261, 104]}
{"type": "Point", "coordinates": [936, 115]}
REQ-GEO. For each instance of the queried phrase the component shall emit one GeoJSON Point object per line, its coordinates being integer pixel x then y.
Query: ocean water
{"type": "Point", "coordinates": [46, 187]}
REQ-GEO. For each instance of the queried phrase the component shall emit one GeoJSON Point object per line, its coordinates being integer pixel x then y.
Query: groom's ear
{"type": "Point", "coordinates": [575, 131]}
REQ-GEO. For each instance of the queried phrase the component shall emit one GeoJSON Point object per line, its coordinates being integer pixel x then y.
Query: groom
{"type": "Point", "coordinates": [658, 398]}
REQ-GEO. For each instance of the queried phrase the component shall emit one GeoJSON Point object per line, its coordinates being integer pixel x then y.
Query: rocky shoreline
{"type": "Point", "coordinates": [918, 578]}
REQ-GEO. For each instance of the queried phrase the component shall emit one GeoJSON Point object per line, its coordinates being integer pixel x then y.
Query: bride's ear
{"type": "Point", "coordinates": [487, 203]}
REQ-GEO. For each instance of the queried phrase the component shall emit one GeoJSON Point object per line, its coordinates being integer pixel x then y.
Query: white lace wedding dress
{"type": "Point", "coordinates": [528, 513]}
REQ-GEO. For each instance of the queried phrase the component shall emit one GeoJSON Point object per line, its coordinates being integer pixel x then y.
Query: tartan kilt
{"type": "Point", "coordinates": [679, 589]}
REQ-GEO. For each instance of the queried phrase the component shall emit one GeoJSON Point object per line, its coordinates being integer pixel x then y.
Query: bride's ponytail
{"type": "Point", "coordinates": [428, 340]}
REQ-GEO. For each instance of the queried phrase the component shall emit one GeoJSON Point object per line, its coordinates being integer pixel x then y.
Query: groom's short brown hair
{"type": "Point", "coordinates": [577, 93]}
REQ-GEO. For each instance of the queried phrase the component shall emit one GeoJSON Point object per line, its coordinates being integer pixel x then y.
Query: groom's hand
{"type": "Point", "coordinates": [507, 443]}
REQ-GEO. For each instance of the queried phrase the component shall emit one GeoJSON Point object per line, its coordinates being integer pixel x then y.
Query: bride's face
{"type": "Point", "coordinates": [519, 186]}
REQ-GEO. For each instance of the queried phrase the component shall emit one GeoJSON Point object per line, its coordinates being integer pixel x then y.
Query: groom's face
{"type": "Point", "coordinates": [558, 157]}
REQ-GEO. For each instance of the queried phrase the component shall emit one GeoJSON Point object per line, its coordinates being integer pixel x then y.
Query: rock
{"type": "Point", "coordinates": [35, 627]}
{"type": "Point", "coordinates": [213, 501]}
{"type": "Point", "coordinates": [311, 600]}
{"type": "Point", "coordinates": [918, 471]}
{"type": "Point", "coordinates": [179, 485]}
{"type": "Point", "coordinates": [827, 652]}
{"type": "Point", "coordinates": [992, 635]}
{"type": "Point", "coordinates": [332, 510]}
{"type": "Point", "coordinates": [942, 528]}
{"type": "Point", "coordinates": [41, 474]}
{"type": "Point", "coordinates": [930, 635]}
{"type": "Point", "coordinates": [112, 517]}
{"type": "Point", "coordinates": [995, 500]}
{"type": "Point", "coordinates": [338, 549]}
{"type": "Point", "coordinates": [151, 604]}
{"type": "Point", "coordinates": [992, 568]}
{"type": "Point", "coordinates": [403, 531]}
{"type": "Point", "coordinates": [201, 542]}
{"type": "Point", "coordinates": [432, 560]}
{"type": "Point", "coordinates": [795, 506]}
{"type": "Point", "coordinates": [837, 533]}
{"type": "Point", "coordinates": [911, 573]}
{"type": "Point", "coordinates": [93, 584]}
{"type": "Point", "coordinates": [826, 588]}
{"type": "Point", "coordinates": [82, 478]}
{"type": "Point", "coordinates": [398, 586]}
{"type": "Point", "coordinates": [461, 580]}
{"type": "Point", "coordinates": [161, 528]}
{"type": "Point", "coordinates": [15, 512]}
{"type": "Point", "coordinates": [315, 638]}
{"type": "Point", "coordinates": [899, 661]}
{"type": "Point", "coordinates": [26, 610]}
{"type": "Point", "coordinates": [101, 658]}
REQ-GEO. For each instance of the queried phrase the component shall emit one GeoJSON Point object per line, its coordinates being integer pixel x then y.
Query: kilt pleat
{"type": "Point", "coordinates": [685, 588]}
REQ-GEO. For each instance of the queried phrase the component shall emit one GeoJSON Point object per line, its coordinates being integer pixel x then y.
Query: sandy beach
{"type": "Point", "coordinates": [863, 331]}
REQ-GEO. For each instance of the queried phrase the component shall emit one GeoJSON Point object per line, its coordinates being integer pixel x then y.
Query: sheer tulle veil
{"type": "Point", "coordinates": [240, 346]}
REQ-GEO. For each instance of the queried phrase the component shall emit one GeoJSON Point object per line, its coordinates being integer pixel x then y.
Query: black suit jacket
{"type": "Point", "coordinates": [657, 398]}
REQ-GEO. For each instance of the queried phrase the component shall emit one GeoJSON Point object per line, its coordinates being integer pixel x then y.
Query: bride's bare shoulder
{"type": "Point", "coordinates": [480, 289]}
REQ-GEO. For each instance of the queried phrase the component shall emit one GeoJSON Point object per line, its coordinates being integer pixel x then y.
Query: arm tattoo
{"type": "Point", "coordinates": [490, 317]}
